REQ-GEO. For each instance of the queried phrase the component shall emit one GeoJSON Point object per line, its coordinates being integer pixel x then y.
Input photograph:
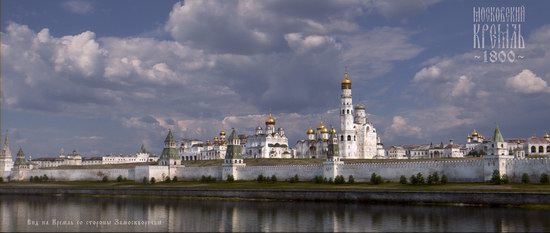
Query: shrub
{"type": "Point", "coordinates": [1, 179]}
{"type": "Point", "coordinates": [145, 181]}
{"type": "Point", "coordinates": [45, 177]}
{"type": "Point", "coordinates": [495, 178]}
{"type": "Point", "coordinates": [260, 178]}
{"type": "Point", "coordinates": [153, 180]}
{"type": "Point", "coordinates": [505, 179]}
{"type": "Point", "coordinates": [167, 179]}
{"type": "Point", "coordinates": [435, 177]}
{"type": "Point", "coordinates": [31, 179]}
{"type": "Point", "coordinates": [119, 178]}
{"type": "Point", "coordinates": [351, 180]}
{"type": "Point", "coordinates": [294, 179]}
{"type": "Point", "coordinates": [207, 179]}
{"type": "Point", "coordinates": [403, 179]}
{"type": "Point", "coordinates": [105, 179]}
{"type": "Point", "coordinates": [375, 179]}
{"type": "Point", "coordinates": [544, 179]}
{"type": "Point", "coordinates": [430, 179]}
{"type": "Point", "coordinates": [273, 178]}
{"type": "Point", "coordinates": [443, 179]}
{"type": "Point", "coordinates": [419, 178]}
{"type": "Point", "coordinates": [525, 178]}
{"type": "Point", "coordinates": [339, 179]}
{"type": "Point", "coordinates": [413, 180]}
{"type": "Point", "coordinates": [330, 181]}
{"type": "Point", "coordinates": [124, 179]}
{"type": "Point", "coordinates": [175, 179]}
{"type": "Point", "coordinates": [230, 178]}
{"type": "Point", "coordinates": [318, 179]}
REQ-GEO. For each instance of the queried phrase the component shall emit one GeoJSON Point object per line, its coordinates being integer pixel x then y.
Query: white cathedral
{"type": "Point", "coordinates": [357, 137]}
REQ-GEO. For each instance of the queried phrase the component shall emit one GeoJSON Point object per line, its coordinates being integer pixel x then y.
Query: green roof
{"type": "Point", "coordinates": [498, 136]}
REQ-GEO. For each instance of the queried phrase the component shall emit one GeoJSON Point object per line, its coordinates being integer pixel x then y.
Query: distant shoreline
{"type": "Point", "coordinates": [368, 196]}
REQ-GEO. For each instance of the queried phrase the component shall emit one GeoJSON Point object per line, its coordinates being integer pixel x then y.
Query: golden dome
{"type": "Point", "coordinates": [270, 120]}
{"type": "Point", "coordinates": [310, 131]}
{"type": "Point", "coordinates": [321, 126]}
{"type": "Point", "coordinates": [474, 133]}
{"type": "Point", "coordinates": [546, 135]}
{"type": "Point", "coordinates": [333, 131]}
{"type": "Point", "coordinates": [324, 130]}
{"type": "Point", "coordinates": [222, 133]}
{"type": "Point", "coordinates": [469, 136]}
{"type": "Point", "coordinates": [346, 81]}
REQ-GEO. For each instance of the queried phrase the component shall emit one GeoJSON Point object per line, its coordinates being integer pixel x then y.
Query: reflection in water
{"type": "Point", "coordinates": [43, 213]}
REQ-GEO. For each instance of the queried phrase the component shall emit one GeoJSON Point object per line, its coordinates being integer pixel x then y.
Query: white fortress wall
{"type": "Point", "coordinates": [75, 174]}
{"type": "Point", "coordinates": [148, 172]}
{"type": "Point", "coordinates": [455, 170]}
{"type": "Point", "coordinates": [191, 173]}
{"type": "Point", "coordinates": [282, 172]}
{"type": "Point", "coordinates": [534, 167]}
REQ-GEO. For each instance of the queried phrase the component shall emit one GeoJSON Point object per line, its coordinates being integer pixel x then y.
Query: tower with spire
{"type": "Point", "coordinates": [233, 156]}
{"type": "Point", "coordinates": [6, 160]}
{"type": "Point", "coordinates": [169, 155]}
{"type": "Point", "coordinates": [348, 138]}
{"type": "Point", "coordinates": [497, 155]}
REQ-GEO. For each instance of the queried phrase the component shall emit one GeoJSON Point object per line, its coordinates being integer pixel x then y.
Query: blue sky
{"type": "Point", "coordinates": [104, 77]}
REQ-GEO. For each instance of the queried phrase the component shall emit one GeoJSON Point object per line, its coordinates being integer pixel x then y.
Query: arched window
{"type": "Point", "coordinates": [342, 138]}
{"type": "Point", "coordinates": [349, 137]}
{"type": "Point", "coordinates": [533, 149]}
{"type": "Point", "coordinates": [548, 149]}
{"type": "Point", "coordinates": [541, 149]}
{"type": "Point", "coordinates": [343, 111]}
{"type": "Point", "coordinates": [353, 138]}
{"type": "Point", "coordinates": [348, 111]}
{"type": "Point", "coordinates": [501, 145]}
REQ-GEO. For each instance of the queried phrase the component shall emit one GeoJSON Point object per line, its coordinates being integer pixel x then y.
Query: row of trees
{"type": "Point", "coordinates": [496, 178]}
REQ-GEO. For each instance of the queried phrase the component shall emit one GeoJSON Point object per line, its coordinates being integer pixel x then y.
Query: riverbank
{"type": "Point", "coordinates": [475, 194]}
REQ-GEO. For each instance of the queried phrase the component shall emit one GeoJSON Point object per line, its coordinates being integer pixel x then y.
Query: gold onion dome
{"type": "Point", "coordinates": [321, 126]}
{"type": "Point", "coordinates": [546, 135]}
{"type": "Point", "coordinates": [324, 130]}
{"type": "Point", "coordinates": [270, 120]}
{"type": "Point", "coordinates": [222, 133]}
{"type": "Point", "coordinates": [310, 131]}
{"type": "Point", "coordinates": [333, 131]}
{"type": "Point", "coordinates": [475, 133]}
{"type": "Point", "coordinates": [346, 81]}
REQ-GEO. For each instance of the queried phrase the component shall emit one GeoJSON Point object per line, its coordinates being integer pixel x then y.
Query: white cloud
{"type": "Point", "coordinates": [301, 44]}
{"type": "Point", "coordinates": [527, 82]}
{"type": "Point", "coordinates": [400, 127]}
{"type": "Point", "coordinates": [426, 74]}
{"type": "Point", "coordinates": [462, 87]}
{"type": "Point", "coordinates": [78, 6]}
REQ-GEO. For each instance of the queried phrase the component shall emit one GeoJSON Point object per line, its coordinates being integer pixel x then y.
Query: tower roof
{"type": "Point", "coordinates": [169, 137]}
{"type": "Point", "coordinates": [270, 120]}
{"type": "Point", "coordinates": [233, 135]}
{"type": "Point", "coordinates": [498, 136]}
{"type": "Point", "coordinates": [346, 81]}
{"type": "Point", "coordinates": [6, 139]}
{"type": "Point", "coordinates": [142, 149]}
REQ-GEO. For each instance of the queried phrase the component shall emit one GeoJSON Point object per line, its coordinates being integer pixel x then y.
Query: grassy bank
{"type": "Point", "coordinates": [473, 187]}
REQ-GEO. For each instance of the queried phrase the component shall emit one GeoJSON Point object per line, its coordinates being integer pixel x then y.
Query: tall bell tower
{"type": "Point", "coordinates": [348, 138]}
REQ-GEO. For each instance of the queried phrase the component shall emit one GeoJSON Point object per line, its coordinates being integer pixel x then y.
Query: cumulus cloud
{"type": "Point", "coordinates": [401, 127]}
{"type": "Point", "coordinates": [426, 74]}
{"type": "Point", "coordinates": [78, 7]}
{"type": "Point", "coordinates": [528, 83]}
{"type": "Point", "coordinates": [402, 9]}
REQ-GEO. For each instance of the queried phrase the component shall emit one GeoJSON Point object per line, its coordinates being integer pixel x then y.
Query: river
{"type": "Point", "coordinates": [57, 213]}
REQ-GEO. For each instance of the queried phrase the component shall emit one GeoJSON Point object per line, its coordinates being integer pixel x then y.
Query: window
{"type": "Point", "coordinates": [548, 149]}
{"type": "Point", "coordinates": [533, 149]}
{"type": "Point", "coordinates": [349, 137]}
{"type": "Point", "coordinates": [348, 111]}
{"type": "Point", "coordinates": [342, 138]}
{"type": "Point", "coordinates": [541, 149]}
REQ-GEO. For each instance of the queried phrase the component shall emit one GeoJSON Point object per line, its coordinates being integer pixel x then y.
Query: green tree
{"type": "Point", "coordinates": [544, 179]}
{"type": "Point", "coordinates": [145, 181]}
{"type": "Point", "coordinates": [175, 179]}
{"type": "Point", "coordinates": [273, 178]}
{"type": "Point", "coordinates": [351, 180]}
{"type": "Point", "coordinates": [119, 178]}
{"type": "Point", "coordinates": [230, 178]}
{"type": "Point", "coordinates": [403, 179]}
{"type": "Point", "coordinates": [167, 179]}
{"type": "Point", "coordinates": [105, 179]}
{"type": "Point", "coordinates": [413, 179]}
{"type": "Point", "coordinates": [525, 178]}
{"type": "Point", "coordinates": [495, 178]}
{"type": "Point", "coordinates": [153, 180]}
{"type": "Point", "coordinates": [420, 178]}
{"type": "Point", "coordinates": [443, 179]}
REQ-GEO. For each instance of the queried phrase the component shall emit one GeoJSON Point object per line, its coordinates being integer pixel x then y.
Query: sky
{"type": "Point", "coordinates": [102, 77]}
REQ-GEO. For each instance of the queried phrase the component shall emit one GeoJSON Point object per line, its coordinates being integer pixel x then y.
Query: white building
{"type": "Point", "coordinates": [538, 145]}
{"type": "Point", "coordinates": [453, 150]}
{"type": "Point", "coordinates": [268, 142]}
{"type": "Point", "coordinates": [6, 161]}
{"type": "Point", "coordinates": [316, 144]}
{"type": "Point", "coordinates": [397, 152]}
{"type": "Point", "coordinates": [358, 137]}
